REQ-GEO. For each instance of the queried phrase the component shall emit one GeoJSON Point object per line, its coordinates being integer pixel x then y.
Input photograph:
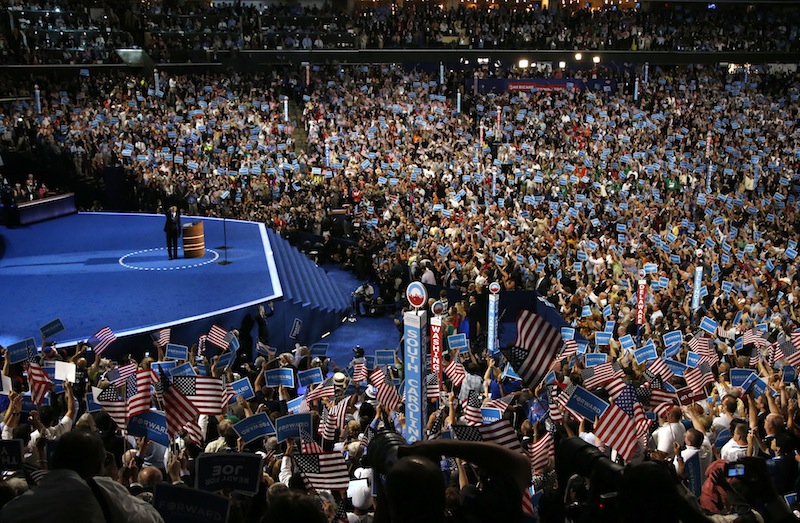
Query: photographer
{"type": "Point", "coordinates": [363, 295]}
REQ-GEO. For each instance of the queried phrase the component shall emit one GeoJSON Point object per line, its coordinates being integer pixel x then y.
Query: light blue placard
{"type": "Point", "coordinates": [586, 404]}
{"type": "Point", "coordinates": [278, 377]}
{"type": "Point", "coordinates": [183, 370]}
{"type": "Point", "coordinates": [310, 376]}
{"type": "Point", "coordinates": [254, 427]}
{"type": "Point", "coordinates": [595, 358]}
{"type": "Point", "coordinates": [152, 424]}
{"type": "Point", "coordinates": [291, 425]}
{"type": "Point", "coordinates": [458, 341]}
{"type": "Point", "coordinates": [490, 415]}
{"type": "Point", "coordinates": [739, 376]}
{"type": "Point", "coordinates": [384, 357]}
{"type": "Point", "coordinates": [645, 354]}
{"type": "Point", "coordinates": [176, 352]}
{"type": "Point", "coordinates": [602, 338]}
{"type": "Point", "coordinates": [242, 388]}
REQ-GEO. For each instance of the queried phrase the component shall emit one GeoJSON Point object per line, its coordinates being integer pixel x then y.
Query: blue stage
{"type": "Point", "coordinates": [97, 269]}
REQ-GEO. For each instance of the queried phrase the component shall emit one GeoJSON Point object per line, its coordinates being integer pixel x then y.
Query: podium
{"type": "Point", "coordinates": [194, 242]}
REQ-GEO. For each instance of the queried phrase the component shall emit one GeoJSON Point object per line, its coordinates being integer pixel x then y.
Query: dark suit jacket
{"type": "Point", "coordinates": [173, 225]}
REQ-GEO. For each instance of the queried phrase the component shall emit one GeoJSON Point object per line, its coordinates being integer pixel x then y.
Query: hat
{"type": "Point", "coordinates": [362, 497]}
{"type": "Point", "coordinates": [259, 361]}
{"type": "Point", "coordinates": [339, 379]}
{"type": "Point", "coordinates": [372, 392]}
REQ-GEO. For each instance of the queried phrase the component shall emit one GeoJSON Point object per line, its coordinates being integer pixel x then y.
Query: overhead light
{"type": "Point", "coordinates": [562, 65]}
{"type": "Point", "coordinates": [578, 56]}
{"type": "Point", "coordinates": [523, 64]}
{"type": "Point", "coordinates": [596, 59]}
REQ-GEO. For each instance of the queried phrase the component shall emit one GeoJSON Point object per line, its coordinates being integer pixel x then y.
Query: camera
{"type": "Point", "coordinates": [735, 469]}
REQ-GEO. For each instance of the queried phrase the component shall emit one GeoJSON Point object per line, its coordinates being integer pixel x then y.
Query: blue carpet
{"type": "Point", "coordinates": [375, 333]}
{"type": "Point", "coordinates": [97, 269]}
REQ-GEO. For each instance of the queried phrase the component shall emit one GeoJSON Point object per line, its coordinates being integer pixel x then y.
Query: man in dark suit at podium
{"type": "Point", "coordinates": [173, 229]}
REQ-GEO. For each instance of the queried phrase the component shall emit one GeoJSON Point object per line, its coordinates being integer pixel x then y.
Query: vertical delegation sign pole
{"type": "Point", "coordinates": [641, 295]}
{"type": "Point", "coordinates": [415, 332]}
{"type": "Point", "coordinates": [698, 282]}
{"type": "Point", "coordinates": [494, 309]}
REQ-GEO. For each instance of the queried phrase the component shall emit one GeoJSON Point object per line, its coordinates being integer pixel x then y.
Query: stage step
{"type": "Point", "coordinates": [304, 283]}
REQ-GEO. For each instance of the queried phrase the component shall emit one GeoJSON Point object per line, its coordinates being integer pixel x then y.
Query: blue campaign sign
{"type": "Point", "coordinates": [177, 352]}
{"type": "Point", "coordinates": [708, 325]}
{"type": "Point", "coordinates": [52, 328]}
{"type": "Point", "coordinates": [310, 376]}
{"type": "Point", "coordinates": [183, 370]}
{"type": "Point", "coordinates": [739, 376]}
{"type": "Point", "coordinates": [673, 337]}
{"type": "Point", "coordinates": [242, 388]}
{"type": "Point", "coordinates": [384, 357]}
{"type": "Point", "coordinates": [29, 406]}
{"type": "Point", "coordinates": [627, 342]}
{"type": "Point", "coordinates": [595, 358]}
{"type": "Point", "coordinates": [226, 360]}
{"type": "Point", "coordinates": [254, 427]}
{"type": "Point", "coordinates": [166, 366]}
{"type": "Point", "coordinates": [228, 470]}
{"type": "Point", "coordinates": [18, 352]}
{"type": "Point", "coordinates": [567, 333]}
{"type": "Point", "coordinates": [91, 404]}
{"type": "Point", "coordinates": [318, 350]}
{"type": "Point", "coordinates": [458, 341]}
{"type": "Point", "coordinates": [602, 338]}
{"type": "Point", "coordinates": [152, 424]}
{"type": "Point", "coordinates": [278, 377]}
{"type": "Point", "coordinates": [789, 374]}
{"type": "Point", "coordinates": [759, 387]}
{"type": "Point", "coordinates": [586, 404]}
{"type": "Point", "coordinates": [644, 354]}
{"type": "Point", "coordinates": [692, 359]}
{"type": "Point", "coordinates": [188, 505]}
{"type": "Point", "coordinates": [676, 367]}
{"type": "Point", "coordinates": [11, 454]}
{"type": "Point", "coordinates": [490, 415]}
{"type": "Point", "coordinates": [672, 349]}
{"type": "Point", "coordinates": [294, 406]}
{"type": "Point", "coordinates": [509, 372]}
{"type": "Point", "coordinates": [291, 425]}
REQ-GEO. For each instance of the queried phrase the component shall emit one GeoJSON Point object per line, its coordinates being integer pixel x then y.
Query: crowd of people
{"type": "Point", "coordinates": [78, 33]}
{"type": "Point", "coordinates": [685, 180]}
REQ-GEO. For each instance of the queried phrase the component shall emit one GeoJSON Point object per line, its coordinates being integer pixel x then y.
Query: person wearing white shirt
{"type": "Point", "coordinates": [669, 432]}
{"type": "Point", "coordinates": [736, 447]}
{"type": "Point", "coordinates": [694, 445]}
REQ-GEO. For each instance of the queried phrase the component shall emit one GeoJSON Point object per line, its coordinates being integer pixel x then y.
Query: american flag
{"type": "Point", "coordinates": [359, 371]}
{"type": "Point", "coordinates": [791, 354]}
{"type": "Point", "coordinates": [599, 375]}
{"type": "Point", "coordinates": [698, 377]}
{"type": "Point", "coordinates": [164, 336]}
{"type": "Point", "coordinates": [115, 406]}
{"type": "Point", "coordinates": [455, 371]}
{"type": "Point", "coordinates": [500, 432]}
{"type": "Point", "coordinates": [205, 393]}
{"type": "Point", "coordinates": [323, 390]}
{"type": "Point", "coordinates": [552, 403]}
{"type": "Point", "coordinates": [563, 398]}
{"type": "Point", "coordinates": [534, 349]}
{"type": "Point", "coordinates": [618, 431]}
{"type": "Point", "coordinates": [366, 437]}
{"type": "Point", "coordinates": [541, 452]}
{"type": "Point", "coordinates": [615, 386]}
{"type": "Point", "coordinates": [722, 332]}
{"type": "Point", "coordinates": [500, 403]}
{"type": "Point", "coordinates": [472, 408]}
{"type": "Point", "coordinates": [570, 349]}
{"type": "Point", "coordinates": [336, 419]}
{"type": "Point", "coordinates": [796, 339]}
{"type": "Point", "coordinates": [137, 392]}
{"type": "Point", "coordinates": [699, 343]}
{"type": "Point", "coordinates": [659, 367]}
{"type": "Point", "coordinates": [661, 409]}
{"type": "Point", "coordinates": [437, 426]}
{"type": "Point", "coordinates": [38, 382]}
{"type": "Point", "coordinates": [227, 395]}
{"type": "Point", "coordinates": [177, 407]}
{"type": "Point", "coordinates": [775, 353]}
{"type": "Point", "coordinates": [120, 375]}
{"type": "Point", "coordinates": [755, 356]}
{"type": "Point", "coordinates": [323, 471]}
{"type": "Point", "coordinates": [217, 336]}
{"type": "Point", "coordinates": [387, 393]}
{"type": "Point", "coordinates": [195, 433]}
{"type": "Point", "coordinates": [754, 336]}
{"type": "Point", "coordinates": [627, 401]}
{"type": "Point", "coordinates": [102, 339]}
{"type": "Point", "coordinates": [307, 443]}
{"type": "Point", "coordinates": [432, 386]}
{"type": "Point", "coordinates": [201, 345]}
